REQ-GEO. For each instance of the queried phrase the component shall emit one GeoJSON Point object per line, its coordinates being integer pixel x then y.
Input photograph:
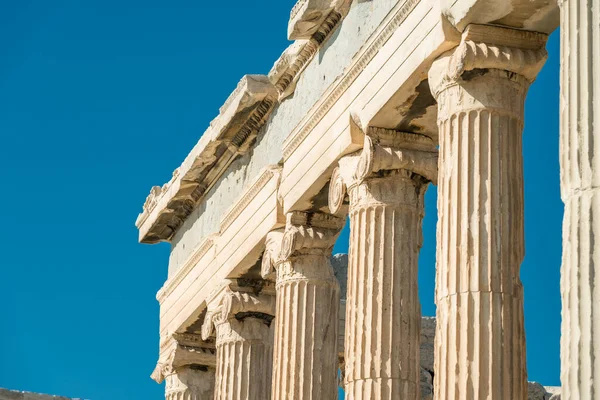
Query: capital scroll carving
{"type": "Point", "coordinates": [271, 254]}
{"type": "Point", "coordinates": [233, 303]}
{"type": "Point", "coordinates": [183, 350]}
{"type": "Point", "coordinates": [383, 150]}
{"type": "Point", "coordinates": [489, 47]}
{"type": "Point", "coordinates": [312, 232]}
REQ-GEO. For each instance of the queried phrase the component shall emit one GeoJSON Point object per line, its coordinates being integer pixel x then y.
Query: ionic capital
{"type": "Point", "coordinates": [485, 47]}
{"type": "Point", "coordinates": [180, 350]}
{"type": "Point", "coordinates": [235, 304]}
{"type": "Point", "coordinates": [310, 233]}
{"type": "Point", "coordinates": [271, 254]}
{"type": "Point", "coordinates": [383, 150]}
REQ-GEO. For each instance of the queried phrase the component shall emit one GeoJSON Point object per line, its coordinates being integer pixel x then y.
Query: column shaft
{"type": "Point", "coordinates": [383, 310]}
{"type": "Point", "coordinates": [306, 359]}
{"type": "Point", "coordinates": [244, 360]}
{"type": "Point", "coordinates": [480, 337]}
{"type": "Point", "coordinates": [190, 383]}
{"type": "Point", "coordinates": [580, 179]}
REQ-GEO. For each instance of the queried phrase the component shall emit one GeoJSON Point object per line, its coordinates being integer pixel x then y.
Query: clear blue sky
{"type": "Point", "coordinates": [100, 100]}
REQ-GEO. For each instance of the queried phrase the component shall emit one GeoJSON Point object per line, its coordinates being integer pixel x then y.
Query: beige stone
{"type": "Point", "coordinates": [355, 108]}
{"type": "Point", "coordinates": [229, 135]}
{"type": "Point", "coordinates": [241, 322]}
{"type": "Point", "coordinates": [386, 190]}
{"type": "Point", "coordinates": [308, 295]}
{"type": "Point", "coordinates": [187, 365]}
{"type": "Point", "coordinates": [580, 187]}
{"type": "Point", "coordinates": [480, 89]}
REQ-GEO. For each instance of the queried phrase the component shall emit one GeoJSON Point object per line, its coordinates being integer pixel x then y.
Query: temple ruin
{"type": "Point", "coordinates": [373, 102]}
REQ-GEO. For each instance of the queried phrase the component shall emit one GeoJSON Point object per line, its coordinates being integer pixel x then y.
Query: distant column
{"type": "Point", "coordinates": [308, 295]}
{"type": "Point", "coordinates": [580, 178]}
{"type": "Point", "coordinates": [383, 312]}
{"type": "Point", "coordinates": [481, 88]}
{"type": "Point", "coordinates": [190, 383]}
{"type": "Point", "coordinates": [187, 366]}
{"type": "Point", "coordinates": [244, 341]}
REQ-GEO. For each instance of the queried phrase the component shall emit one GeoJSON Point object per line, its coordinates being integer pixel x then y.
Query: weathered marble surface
{"type": "Point", "coordinates": [323, 70]}
{"type": "Point", "coordinates": [481, 88]}
{"type": "Point", "coordinates": [428, 327]}
{"type": "Point", "coordinates": [580, 191]}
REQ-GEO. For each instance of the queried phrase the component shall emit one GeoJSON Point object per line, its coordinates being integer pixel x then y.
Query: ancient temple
{"type": "Point", "coordinates": [373, 102]}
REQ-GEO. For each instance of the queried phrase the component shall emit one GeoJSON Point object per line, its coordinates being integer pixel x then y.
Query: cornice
{"type": "Point", "coordinates": [307, 16]}
{"type": "Point", "coordinates": [383, 150]}
{"type": "Point", "coordinates": [230, 134]}
{"type": "Point", "coordinates": [371, 48]}
{"type": "Point", "coordinates": [270, 256]}
{"type": "Point", "coordinates": [288, 68]}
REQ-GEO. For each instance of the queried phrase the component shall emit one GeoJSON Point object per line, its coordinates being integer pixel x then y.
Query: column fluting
{"type": "Point", "coordinates": [480, 335]}
{"type": "Point", "coordinates": [383, 312]}
{"type": "Point", "coordinates": [580, 187]}
{"type": "Point", "coordinates": [305, 361]}
{"type": "Point", "coordinates": [190, 383]}
{"type": "Point", "coordinates": [244, 359]}
{"type": "Point", "coordinates": [244, 343]}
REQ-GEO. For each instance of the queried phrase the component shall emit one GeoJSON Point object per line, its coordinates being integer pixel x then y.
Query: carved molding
{"type": "Point", "coordinates": [270, 256]}
{"type": "Point", "coordinates": [371, 48]}
{"type": "Point", "coordinates": [309, 232]}
{"type": "Point", "coordinates": [288, 68]}
{"type": "Point", "coordinates": [209, 242]}
{"type": "Point", "coordinates": [375, 158]}
{"type": "Point", "coordinates": [490, 47]}
{"type": "Point", "coordinates": [383, 150]}
{"type": "Point", "coordinates": [197, 255]}
{"type": "Point", "coordinates": [233, 304]}
{"type": "Point", "coordinates": [165, 210]}
{"type": "Point", "coordinates": [232, 133]}
{"type": "Point", "coordinates": [182, 350]}
{"type": "Point", "coordinates": [308, 16]}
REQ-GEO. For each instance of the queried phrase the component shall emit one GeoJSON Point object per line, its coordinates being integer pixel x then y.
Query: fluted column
{"type": "Point", "coordinates": [190, 383]}
{"type": "Point", "coordinates": [187, 365]}
{"type": "Point", "coordinates": [580, 184]}
{"type": "Point", "coordinates": [244, 341]}
{"type": "Point", "coordinates": [308, 295]}
{"type": "Point", "coordinates": [480, 88]}
{"type": "Point", "coordinates": [383, 313]}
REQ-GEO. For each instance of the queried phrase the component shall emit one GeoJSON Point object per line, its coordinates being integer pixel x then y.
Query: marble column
{"type": "Point", "coordinates": [190, 383]}
{"type": "Point", "coordinates": [244, 342]}
{"type": "Point", "coordinates": [580, 184]}
{"type": "Point", "coordinates": [383, 312]}
{"type": "Point", "coordinates": [480, 88]}
{"type": "Point", "coordinates": [187, 366]}
{"type": "Point", "coordinates": [305, 360]}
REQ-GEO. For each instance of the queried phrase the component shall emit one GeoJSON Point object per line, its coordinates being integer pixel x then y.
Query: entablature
{"type": "Point", "coordinates": [383, 83]}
